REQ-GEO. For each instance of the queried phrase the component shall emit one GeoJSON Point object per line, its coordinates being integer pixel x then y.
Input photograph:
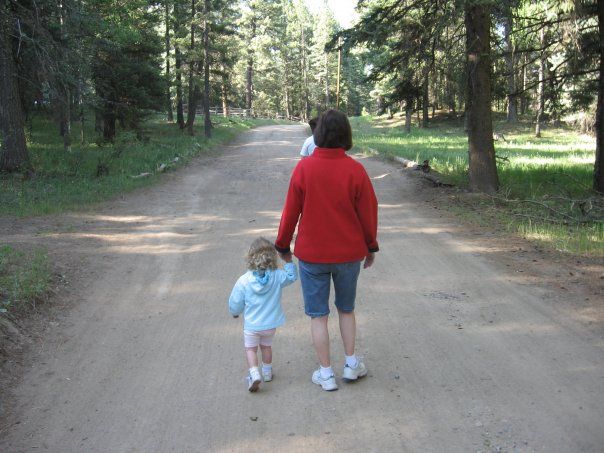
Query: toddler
{"type": "Point", "coordinates": [257, 294]}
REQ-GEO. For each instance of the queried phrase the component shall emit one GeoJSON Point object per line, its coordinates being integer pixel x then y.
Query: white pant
{"type": "Point", "coordinates": [253, 338]}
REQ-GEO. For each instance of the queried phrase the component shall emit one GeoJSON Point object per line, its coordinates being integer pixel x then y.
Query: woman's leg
{"type": "Point", "coordinates": [345, 277]}
{"type": "Point", "coordinates": [320, 339]}
{"type": "Point", "coordinates": [348, 330]}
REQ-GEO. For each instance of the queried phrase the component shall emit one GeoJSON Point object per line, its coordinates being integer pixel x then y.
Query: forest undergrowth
{"type": "Point", "coordinates": [545, 183]}
{"type": "Point", "coordinates": [95, 171]}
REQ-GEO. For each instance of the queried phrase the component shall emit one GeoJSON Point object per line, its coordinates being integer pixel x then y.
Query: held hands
{"type": "Point", "coordinates": [287, 257]}
{"type": "Point", "coordinates": [369, 259]}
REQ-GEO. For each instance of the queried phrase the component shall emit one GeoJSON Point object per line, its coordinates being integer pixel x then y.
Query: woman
{"type": "Point", "coordinates": [332, 201]}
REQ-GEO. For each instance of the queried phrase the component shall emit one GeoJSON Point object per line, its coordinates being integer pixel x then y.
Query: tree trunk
{"type": "Point", "coordinates": [98, 121]}
{"type": "Point", "coordinates": [249, 73]}
{"type": "Point", "coordinates": [13, 152]}
{"type": "Point", "coordinates": [599, 165]}
{"type": "Point", "coordinates": [79, 101]}
{"type": "Point", "coordinates": [540, 87]}
{"type": "Point", "coordinates": [207, 122]}
{"type": "Point", "coordinates": [61, 86]}
{"type": "Point", "coordinates": [168, 79]}
{"type": "Point", "coordinates": [408, 114]}
{"type": "Point", "coordinates": [287, 100]}
{"type": "Point", "coordinates": [380, 105]}
{"type": "Point", "coordinates": [192, 108]}
{"type": "Point", "coordinates": [327, 100]}
{"type": "Point", "coordinates": [66, 120]}
{"type": "Point", "coordinates": [481, 151]}
{"type": "Point", "coordinates": [249, 82]}
{"type": "Point", "coordinates": [523, 96]}
{"type": "Point", "coordinates": [224, 92]}
{"type": "Point", "coordinates": [306, 113]}
{"type": "Point", "coordinates": [193, 88]}
{"type": "Point", "coordinates": [425, 97]}
{"type": "Point", "coordinates": [512, 116]}
{"type": "Point", "coordinates": [180, 116]}
{"type": "Point", "coordinates": [62, 107]}
{"type": "Point", "coordinates": [338, 75]}
{"type": "Point", "coordinates": [109, 124]}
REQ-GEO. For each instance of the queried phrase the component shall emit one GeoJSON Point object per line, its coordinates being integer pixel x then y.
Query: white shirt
{"type": "Point", "coordinates": [308, 147]}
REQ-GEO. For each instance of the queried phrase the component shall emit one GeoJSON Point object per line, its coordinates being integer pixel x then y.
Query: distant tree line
{"type": "Point", "coordinates": [123, 60]}
{"type": "Point", "coordinates": [540, 58]}
{"type": "Point", "coordinates": [120, 61]}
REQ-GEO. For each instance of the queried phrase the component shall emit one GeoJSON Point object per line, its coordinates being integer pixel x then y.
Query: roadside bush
{"type": "Point", "coordinates": [24, 279]}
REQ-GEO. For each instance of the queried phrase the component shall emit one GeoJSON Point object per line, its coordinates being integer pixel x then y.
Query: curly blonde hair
{"type": "Point", "coordinates": [261, 255]}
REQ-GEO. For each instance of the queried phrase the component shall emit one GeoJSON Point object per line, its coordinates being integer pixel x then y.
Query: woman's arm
{"type": "Point", "coordinates": [367, 209]}
{"type": "Point", "coordinates": [291, 213]}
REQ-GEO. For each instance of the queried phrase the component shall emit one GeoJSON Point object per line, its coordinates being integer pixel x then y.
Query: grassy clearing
{"type": "Point", "coordinates": [65, 181]}
{"type": "Point", "coordinates": [24, 279]}
{"type": "Point", "coordinates": [545, 182]}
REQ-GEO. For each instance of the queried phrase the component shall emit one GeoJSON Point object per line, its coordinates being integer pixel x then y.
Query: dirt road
{"type": "Point", "coordinates": [463, 356]}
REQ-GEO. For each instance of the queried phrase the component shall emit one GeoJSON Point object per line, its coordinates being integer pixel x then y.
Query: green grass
{"type": "Point", "coordinates": [68, 180]}
{"type": "Point", "coordinates": [545, 182]}
{"type": "Point", "coordinates": [24, 278]}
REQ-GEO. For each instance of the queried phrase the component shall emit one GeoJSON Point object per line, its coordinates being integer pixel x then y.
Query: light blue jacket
{"type": "Point", "coordinates": [257, 295]}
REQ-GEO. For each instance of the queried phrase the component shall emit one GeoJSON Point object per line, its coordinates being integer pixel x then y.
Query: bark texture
{"type": "Point", "coordinates": [193, 87]}
{"type": "Point", "coordinates": [180, 116]}
{"type": "Point", "coordinates": [512, 116]}
{"type": "Point", "coordinates": [249, 72]}
{"type": "Point", "coordinates": [599, 165]}
{"type": "Point", "coordinates": [207, 123]}
{"type": "Point", "coordinates": [482, 166]}
{"type": "Point", "coordinates": [13, 151]}
{"type": "Point", "coordinates": [540, 88]}
{"type": "Point", "coordinates": [168, 80]}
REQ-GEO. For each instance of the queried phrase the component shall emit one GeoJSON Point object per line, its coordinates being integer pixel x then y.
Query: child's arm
{"type": "Point", "coordinates": [237, 299]}
{"type": "Point", "coordinates": [289, 274]}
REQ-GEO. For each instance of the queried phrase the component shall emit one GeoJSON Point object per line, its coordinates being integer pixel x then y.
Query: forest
{"type": "Point", "coordinates": [116, 63]}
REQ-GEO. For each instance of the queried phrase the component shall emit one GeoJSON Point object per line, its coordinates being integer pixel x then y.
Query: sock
{"type": "Point", "coordinates": [351, 360]}
{"type": "Point", "coordinates": [326, 372]}
{"type": "Point", "coordinates": [267, 367]}
{"type": "Point", "coordinates": [254, 368]}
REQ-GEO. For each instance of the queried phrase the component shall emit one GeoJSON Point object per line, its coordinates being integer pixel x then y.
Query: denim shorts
{"type": "Point", "coordinates": [316, 281]}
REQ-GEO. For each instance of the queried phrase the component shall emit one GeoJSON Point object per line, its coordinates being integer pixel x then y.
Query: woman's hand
{"type": "Point", "coordinates": [369, 259]}
{"type": "Point", "coordinates": [287, 257]}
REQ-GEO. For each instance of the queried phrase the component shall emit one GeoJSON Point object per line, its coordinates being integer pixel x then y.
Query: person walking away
{"type": "Point", "coordinates": [332, 201]}
{"type": "Point", "coordinates": [257, 294]}
{"type": "Point", "coordinates": [309, 144]}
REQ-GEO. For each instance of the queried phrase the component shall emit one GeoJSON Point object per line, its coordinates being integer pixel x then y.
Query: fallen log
{"type": "Point", "coordinates": [431, 175]}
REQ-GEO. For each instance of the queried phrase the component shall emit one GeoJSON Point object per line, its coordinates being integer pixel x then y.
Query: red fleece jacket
{"type": "Point", "coordinates": [332, 196]}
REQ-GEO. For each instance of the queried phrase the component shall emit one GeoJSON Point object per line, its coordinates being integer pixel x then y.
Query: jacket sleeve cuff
{"type": "Point", "coordinates": [282, 249]}
{"type": "Point", "coordinates": [374, 249]}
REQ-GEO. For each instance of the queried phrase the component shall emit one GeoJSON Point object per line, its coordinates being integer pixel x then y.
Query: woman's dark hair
{"type": "Point", "coordinates": [333, 131]}
{"type": "Point", "coordinates": [312, 123]}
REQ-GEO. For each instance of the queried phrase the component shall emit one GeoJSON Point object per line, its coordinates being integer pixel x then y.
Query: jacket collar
{"type": "Point", "coordinates": [329, 153]}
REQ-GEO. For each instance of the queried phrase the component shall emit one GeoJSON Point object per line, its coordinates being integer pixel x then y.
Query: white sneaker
{"type": "Point", "coordinates": [253, 380]}
{"type": "Point", "coordinates": [352, 374]}
{"type": "Point", "coordinates": [328, 384]}
{"type": "Point", "coordinates": [267, 375]}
